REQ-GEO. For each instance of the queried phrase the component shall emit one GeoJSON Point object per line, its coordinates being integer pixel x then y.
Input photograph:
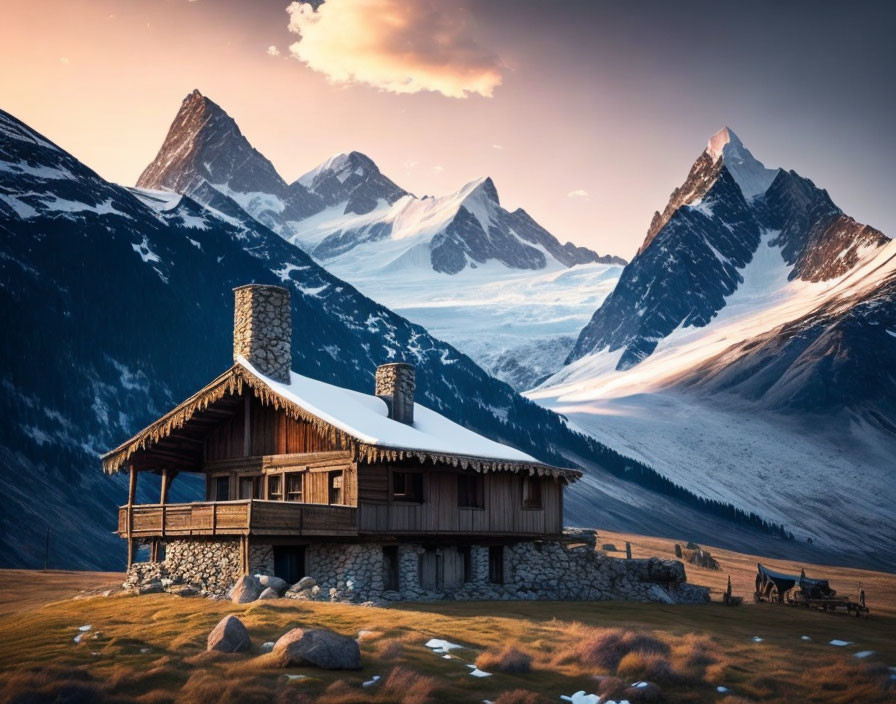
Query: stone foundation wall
{"type": "Point", "coordinates": [545, 570]}
{"type": "Point", "coordinates": [208, 566]}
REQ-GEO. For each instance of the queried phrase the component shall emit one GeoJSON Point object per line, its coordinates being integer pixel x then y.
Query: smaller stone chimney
{"type": "Point", "coordinates": [395, 384]}
{"type": "Point", "coordinates": [262, 328]}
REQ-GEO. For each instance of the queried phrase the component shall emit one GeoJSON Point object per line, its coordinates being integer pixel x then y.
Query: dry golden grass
{"type": "Point", "coordinates": [506, 659]}
{"type": "Point", "coordinates": [17, 592]}
{"type": "Point", "coordinates": [152, 648]}
{"type": "Point", "coordinates": [880, 587]}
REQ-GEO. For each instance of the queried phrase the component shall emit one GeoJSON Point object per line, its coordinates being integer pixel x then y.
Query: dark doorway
{"type": "Point", "coordinates": [430, 567]}
{"type": "Point", "coordinates": [289, 562]}
{"type": "Point", "coordinates": [467, 555]}
{"type": "Point", "coordinates": [390, 568]}
{"type": "Point", "coordinates": [496, 564]}
{"type": "Point", "coordinates": [222, 488]}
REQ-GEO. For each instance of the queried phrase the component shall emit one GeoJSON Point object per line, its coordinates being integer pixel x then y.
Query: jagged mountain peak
{"type": "Point", "coordinates": [340, 165]}
{"type": "Point", "coordinates": [481, 187]}
{"type": "Point", "coordinates": [352, 178]}
{"type": "Point", "coordinates": [722, 139]}
{"type": "Point", "coordinates": [751, 175]}
{"type": "Point", "coordinates": [205, 145]}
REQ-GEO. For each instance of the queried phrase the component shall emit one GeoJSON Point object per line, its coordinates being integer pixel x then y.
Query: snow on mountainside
{"type": "Point", "coordinates": [117, 304]}
{"type": "Point", "coordinates": [346, 203]}
{"type": "Point", "coordinates": [695, 251]}
{"type": "Point", "coordinates": [370, 232]}
{"type": "Point", "coordinates": [748, 351]}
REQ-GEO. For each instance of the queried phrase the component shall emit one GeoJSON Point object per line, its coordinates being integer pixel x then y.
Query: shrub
{"type": "Point", "coordinates": [409, 687]}
{"type": "Point", "coordinates": [507, 659]}
{"type": "Point", "coordinates": [605, 649]}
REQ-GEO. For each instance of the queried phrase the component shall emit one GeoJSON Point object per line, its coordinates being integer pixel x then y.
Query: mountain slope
{"type": "Point", "coordinates": [695, 251]}
{"type": "Point", "coordinates": [371, 232]}
{"type": "Point", "coordinates": [117, 304]}
{"type": "Point", "coordinates": [205, 148]}
{"type": "Point", "coordinates": [761, 374]}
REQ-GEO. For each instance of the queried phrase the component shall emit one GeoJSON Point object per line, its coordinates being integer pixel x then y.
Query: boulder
{"type": "Point", "coordinates": [320, 647]}
{"type": "Point", "coordinates": [269, 593]}
{"type": "Point", "coordinates": [275, 583]}
{"type": "Point", "coordinates": [229, 636]}
{"type": "Point", "coordinates": [245, 590]}
{"type": "Point", "coordinates": [704, 559]}
{"type": "Point", "coordinates": [692, 546]}
{"type": "Point", "coordinates": [303, 584]}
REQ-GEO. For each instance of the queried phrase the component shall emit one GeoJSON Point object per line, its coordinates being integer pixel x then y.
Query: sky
{"type": "Point", "coordinates": [586, 113]}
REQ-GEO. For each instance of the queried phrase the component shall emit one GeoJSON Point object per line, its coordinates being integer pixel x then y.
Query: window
{"type": "Point", "coordinates": [293, 487]}
{"type": "Point", "coordinates": [407, 486]}
{"type": "Point", "coordinates": [335, 491]}
{"type": "Point", "coordinates": [469, 490]}
{"type": "Point", "coordinates": [251, 487]}
{"type": "Point", "coordinates": [222, 488]}
{"type": "Point", "coordinates": [275, 487]}
{"type": "Point", "coordinates": [531, 492]}
{"type": "Point", "coordinates": [496, 564]}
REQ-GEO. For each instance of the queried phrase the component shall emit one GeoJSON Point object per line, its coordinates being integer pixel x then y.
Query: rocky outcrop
{"type": "Point", "coordinates": [320, 647]}
{"type": "Point", "coordinates": [229, 636]}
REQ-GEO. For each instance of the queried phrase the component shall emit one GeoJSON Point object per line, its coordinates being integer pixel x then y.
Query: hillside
{"type": "Point", "coordinates": [706, 647]}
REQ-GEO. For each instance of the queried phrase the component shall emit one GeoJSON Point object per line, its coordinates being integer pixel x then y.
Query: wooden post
{"type": "Point", "coordinates": [628, 550]}
{"type": "Point", "coordinates": [163, 499]}
{"type": "Point", "coordinates": [132, 493]}
{"type": "Point", "coordinates": [166, 483]}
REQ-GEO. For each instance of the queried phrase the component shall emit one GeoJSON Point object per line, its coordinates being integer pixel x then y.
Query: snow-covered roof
{"type": "Point", "coordinates": [366, 417]}
{"type": "Point", "coordinates": [358, 421]}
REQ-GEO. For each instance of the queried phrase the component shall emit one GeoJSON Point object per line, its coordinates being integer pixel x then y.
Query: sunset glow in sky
{"type": "Point", "coordinates": [585, 113]}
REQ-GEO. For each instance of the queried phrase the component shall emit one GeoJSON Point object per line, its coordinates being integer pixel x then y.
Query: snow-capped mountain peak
{"type": "Point", "coordinates": [749, 173]}
{"type": "Point", "coordinates": [483, 188]}
{"type": "Point", "coordinates": [351, 178]}
{"type": "Point", "coordinates": [339, 166]}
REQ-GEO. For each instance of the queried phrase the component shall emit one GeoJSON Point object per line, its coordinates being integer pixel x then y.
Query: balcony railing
{"type": "Point", "coordinates": [247, 517]}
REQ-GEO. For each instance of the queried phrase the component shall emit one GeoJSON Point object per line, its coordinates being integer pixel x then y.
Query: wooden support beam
{"type": "Point", "coordinates": [166, 482]}
{"type": "Point", "coordinates": [132, 493]}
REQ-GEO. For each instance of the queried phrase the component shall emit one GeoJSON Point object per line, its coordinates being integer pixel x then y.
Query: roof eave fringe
{"type": "Point", "coordinates": [232, 381]}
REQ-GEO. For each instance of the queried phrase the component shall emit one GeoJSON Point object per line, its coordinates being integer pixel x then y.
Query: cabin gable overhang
{"type": "Point", "coordinates": [176, 439]}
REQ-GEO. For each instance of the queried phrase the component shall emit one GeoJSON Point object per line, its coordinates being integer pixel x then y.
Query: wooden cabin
{"type": "Point", "coordinates": [296, 467]}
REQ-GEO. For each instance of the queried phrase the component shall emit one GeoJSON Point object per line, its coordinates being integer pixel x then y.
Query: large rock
{"type": "Point", "coordinates": [269, 593]}
{"type": "Point", "coordinates": [229, 636]}
{"type": "Point", "coordinates": [247, 589]}
{"type": "Point", "coordinates": [320, 647]}
{"type": "Point", "coordinates": [272, 582]}
{"type": "Point", "coordinates": [303, 584]}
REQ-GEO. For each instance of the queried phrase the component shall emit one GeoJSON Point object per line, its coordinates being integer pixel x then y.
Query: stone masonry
{"type": "Point", "coordinates": [533, 570]}
{"type": "Point", "coordinates": [209, 566]}
{"type": "Point", "coordinates": [396, 383]}
{"type": "Point", "coordinates": [262, 329]}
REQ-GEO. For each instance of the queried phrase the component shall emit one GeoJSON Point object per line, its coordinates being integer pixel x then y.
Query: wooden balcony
{"type": "Point", "coordinates": [234, 518]}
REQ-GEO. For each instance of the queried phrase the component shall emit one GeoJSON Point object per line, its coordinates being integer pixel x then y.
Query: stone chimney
{"type": "Point", "coordinates": [262, 328]}
{"type": "Point", "coordinates": [395, 384]}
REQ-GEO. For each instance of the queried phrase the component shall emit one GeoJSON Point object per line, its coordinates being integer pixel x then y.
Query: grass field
{"type": "Point", "coordinates": [152, 648]}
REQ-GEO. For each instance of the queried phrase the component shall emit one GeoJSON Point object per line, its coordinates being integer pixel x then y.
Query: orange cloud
{"type": "Point", "coordinates": [400, 47]}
